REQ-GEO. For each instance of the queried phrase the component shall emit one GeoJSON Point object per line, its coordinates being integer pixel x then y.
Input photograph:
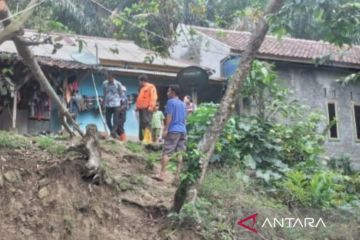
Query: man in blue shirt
{"type": "Point", "coordinates": [174, 132]}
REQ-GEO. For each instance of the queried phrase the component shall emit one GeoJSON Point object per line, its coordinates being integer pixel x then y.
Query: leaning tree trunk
{"type": "Point", "coordinates": [11, 31]}
{"type": "Point", "coordinates": [29, 60]}
{"type": "Point", "coordinates": [227, 105]}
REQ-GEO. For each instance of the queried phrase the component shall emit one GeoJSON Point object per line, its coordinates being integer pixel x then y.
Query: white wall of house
{"type": "Point", "coordinates": [199, 49]}
{"type": "Point", "coordinates": [312, 86]}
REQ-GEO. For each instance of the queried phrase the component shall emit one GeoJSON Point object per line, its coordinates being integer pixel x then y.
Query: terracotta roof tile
{"type": "Point", "coordinates": [287, 48]}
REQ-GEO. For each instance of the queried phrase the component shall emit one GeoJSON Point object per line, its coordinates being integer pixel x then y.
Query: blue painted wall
{"type": "Point", "coordinates": [229, 66]}
{"type": "Point", "coordinates": [86, 87]}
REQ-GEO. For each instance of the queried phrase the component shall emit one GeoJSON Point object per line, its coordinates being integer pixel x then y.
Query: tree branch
{"type": "Point", "coordinates": [13, 28]}
{"type": "Point", "coordinates": [28, 42]}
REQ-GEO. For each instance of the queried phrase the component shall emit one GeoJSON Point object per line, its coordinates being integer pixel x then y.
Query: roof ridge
{"type": "Point", "coordinates": [287, 47]}
{"type": "Point", "coordinates": [269, 36]}
{"type": "Point", "coordinates": [80, 35]}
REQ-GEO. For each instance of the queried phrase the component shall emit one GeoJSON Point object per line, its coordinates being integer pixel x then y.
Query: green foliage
{"type": "Point", "coordinates": [134, 147]}
{"type": "Point", "coordinates": [6, 84]}
{"type": "Point", "coordinates": [159, 18]}
{"type": "Point", "coordinates": [341, 164]}
{"type": "Point", "coordinates": [296, 184]}
{"type": "Point", "coordinates": [12, 141]}
{"type": "Point", "coordinates": [333, 20]}
{"type": "Point", "coordinates": [49, 144]}
{"type": "Point", "coordinates": [151, 159]}
{"type": "Point", "coordinates": [282, 133]}
{"type": "Point", "coordinates": [198, 122]}
{"type": "Point", "coordinates": [221, 185]}
{"type": "Point", "coordinates": [350, 79]}
{"type": "Point", "coordinates": [322, 188]}
{"type": "Point", "coordinates": [192, 213]}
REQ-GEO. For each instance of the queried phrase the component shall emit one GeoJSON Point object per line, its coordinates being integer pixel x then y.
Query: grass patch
{"type": "Point", "coordinates": [151, 159]}
{"type": "Point", "coordinates": [13, 141]}
{"type": "Point", "coordinates": [224, 198]}
{"type": "Point", "coordinates": [137, 179]}
{"type": "Point", "coordinates": [135, 147]}
{"type": "Point", "coordinates": [49, 144]}
{"type": "Point", "coordinates": [111, 146]}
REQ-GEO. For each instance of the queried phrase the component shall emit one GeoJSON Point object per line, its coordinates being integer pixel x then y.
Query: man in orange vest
{"type": "Point", "coordinates": [145, 104]}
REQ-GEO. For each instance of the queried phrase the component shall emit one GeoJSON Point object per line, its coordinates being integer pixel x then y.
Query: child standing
{"type": "Point", "coordinates": [124, 106]}
{"type": "Point", "coordinates": [157, 123]}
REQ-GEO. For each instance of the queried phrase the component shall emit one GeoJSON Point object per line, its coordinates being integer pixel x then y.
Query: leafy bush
{"type": "Point", "coordinates": [192, 213]}
{"type": "Point", "coordinates": [198, 122]}
{"type": "Point", "coordinates": [280, 135]}
{"type": "Point", "coordinates": [341, 164]}
{"type": "Point", "coordinates": [323, 188]}
{"type": "Point", "coordinates": [264, 146]}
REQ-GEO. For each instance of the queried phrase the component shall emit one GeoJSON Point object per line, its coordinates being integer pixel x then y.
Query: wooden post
{"type": "Point", "coordinates": [194, 96]}
{"type": "Point", "coordinates": [14, 109]}
{"type": "Point", "coordinates": [107, 130]}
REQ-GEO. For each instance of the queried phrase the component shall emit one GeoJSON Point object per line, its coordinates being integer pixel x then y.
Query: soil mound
{"type": "Point", "coordinates": [43, 196]}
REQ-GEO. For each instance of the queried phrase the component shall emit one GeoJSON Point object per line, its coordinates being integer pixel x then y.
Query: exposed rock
{"type": "Point", "coordinates": [107, 213]}
{"type": "Point", "coordinates": [25, 231]}
{"type": "Point", "coordinates": [1, 180]}
{"type": "Point", "coordinates": [22, 217]}
{"type": "Point", "coordinates": [108, 180]}
{"type": "Point", "coordinates": [13, 176]}
{"type": "Point", "coordinates": [43, 182]}
{"type": "Point", "coordinates": [98, 212]}
{"type": "Point", "coordinates": [82, 205]}
{"type": "Point", "coordinates": [44, 192]}
{"type": "Point", "coordinates": [15, 205]}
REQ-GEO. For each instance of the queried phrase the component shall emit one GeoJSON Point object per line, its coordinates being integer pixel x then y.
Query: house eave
{"type": "Point", "coordinates": [299, 60]}
{"type": "Point", "coordinates": [136, 65]}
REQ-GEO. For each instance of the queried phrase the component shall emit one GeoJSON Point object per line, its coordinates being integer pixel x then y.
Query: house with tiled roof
{"type": "Point", "coordinates": [309, 68]}
{"type": "Point", "coordinates": [78, 62]}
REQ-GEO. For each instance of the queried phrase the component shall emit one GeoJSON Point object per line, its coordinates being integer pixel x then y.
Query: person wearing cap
{"type": "Point", "coordinates": [145, 105]}
{"type": "Point", "coordinates": [112, 96]}
{"type": "Point", "coordinates": [124, 106]}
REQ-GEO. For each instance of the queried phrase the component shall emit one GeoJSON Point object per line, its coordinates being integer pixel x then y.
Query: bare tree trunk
{"type": "Point", "coordinates": [91, 142]}
{"type": "Point", "coordinates": [13, 28]}
{"type": "Point", "coordinates": [227, 105]}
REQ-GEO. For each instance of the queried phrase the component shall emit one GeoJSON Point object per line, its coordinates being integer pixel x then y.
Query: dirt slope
{"type": "Point", "coordinates": [42, 196]}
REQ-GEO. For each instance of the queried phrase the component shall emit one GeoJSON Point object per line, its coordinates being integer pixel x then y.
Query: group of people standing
{"type": "Point", "coordinates": [154, 126]}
